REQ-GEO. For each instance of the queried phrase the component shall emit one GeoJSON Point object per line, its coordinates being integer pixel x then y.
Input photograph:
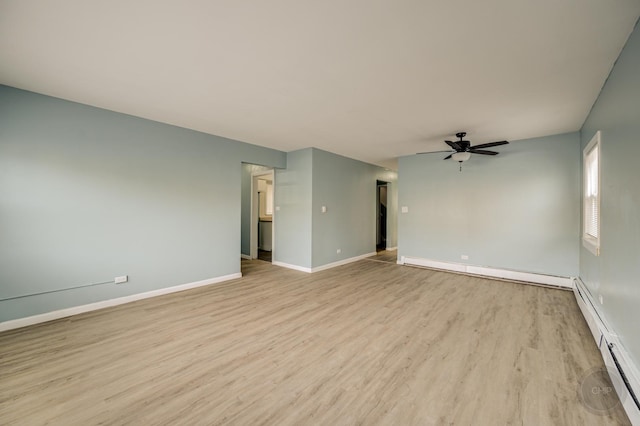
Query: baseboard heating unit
{"type": "Point", "coordinates": [485, 271]}
{"type": "Point", "coordinates": [622, 371]}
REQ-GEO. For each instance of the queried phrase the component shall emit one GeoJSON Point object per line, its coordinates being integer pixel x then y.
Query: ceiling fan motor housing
{"type": "Point", "coordinates": [464, 145]}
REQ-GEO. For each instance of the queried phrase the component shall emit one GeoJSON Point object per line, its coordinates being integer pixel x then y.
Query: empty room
{"type": "Point", "coordinates": [320, 213]}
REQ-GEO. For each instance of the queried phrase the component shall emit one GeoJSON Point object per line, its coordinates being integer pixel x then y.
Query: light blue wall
{"type": "Point", "coordinates": [314, 178]}
{"type": "Point", "coordinates": [518, 210]}
{"type": "Point", "coordinates": [615, 274]}
{"type": "Point", "coordinates": [87, 195]}
{"type": "Point", "coordinates": [247, 173]}
{"type": "Point", "coordinates": [348, 189]}
{"type": "Point", "coordinates": [293, 215]}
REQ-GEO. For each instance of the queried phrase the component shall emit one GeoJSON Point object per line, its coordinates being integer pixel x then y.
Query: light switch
{"type": "Point", "coordinates": [324, 209]}
{"type": "Point", "coordinates": [405, 209]}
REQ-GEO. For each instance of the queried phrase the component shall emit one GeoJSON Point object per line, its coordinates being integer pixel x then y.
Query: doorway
{"type": "Point", "coordinates": [262, 191]}
{"type": "Point", "coordinates": [381, 216]}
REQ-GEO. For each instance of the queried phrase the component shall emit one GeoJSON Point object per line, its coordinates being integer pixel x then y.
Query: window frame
{"type": "Point", "coordinates": [590, 242]}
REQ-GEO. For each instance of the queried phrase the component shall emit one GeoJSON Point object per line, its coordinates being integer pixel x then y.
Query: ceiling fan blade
{"type": "Point", "coordinates": [432, 152]}
{"type": "Point", "coordinates": [447, 157]}
{"type": "Point", "coordinates": [454, 145]}
{"type": "Point", "coordinates": [490, 144]}
{"type": "Point", "coordinates": [482, 151]}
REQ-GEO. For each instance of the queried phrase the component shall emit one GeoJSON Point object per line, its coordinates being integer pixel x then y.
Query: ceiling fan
{"type": "Point", "coordinates": [462, 149]}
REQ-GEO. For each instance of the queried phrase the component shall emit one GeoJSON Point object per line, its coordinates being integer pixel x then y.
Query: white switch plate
{"type": "Point", "coordinates": [324, 209]}
{"type": "Point", "coordinates": [122, 279]}
{"type": "Point", "coordinates": [464, 257]}
{"type": "Point", "coordinates": [601, 299]}
{"type": "Point", "coordinates": [405, 209]}
{"type": "Point", "coordinates": [339, 251]}
{"type": "Point", "coordinates": [277, 208]}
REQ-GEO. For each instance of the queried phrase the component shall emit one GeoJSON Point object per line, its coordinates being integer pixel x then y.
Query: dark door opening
{"type": "Point", "coordinates": [264, 237]}
{"type": "Point", "coordinates": [381, 213]}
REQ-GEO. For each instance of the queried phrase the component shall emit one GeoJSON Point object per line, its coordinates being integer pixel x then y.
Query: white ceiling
{"type": "Point", "coordinates": [372, 80]}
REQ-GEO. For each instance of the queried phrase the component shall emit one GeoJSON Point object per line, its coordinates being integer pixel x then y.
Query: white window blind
{"type": "Point", "coordinates": [591, 200]}
{"type": "Point", "coordinates": [591, 194]}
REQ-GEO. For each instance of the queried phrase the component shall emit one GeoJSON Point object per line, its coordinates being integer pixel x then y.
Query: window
{"type": "Point", "coordinates": [591, 196]}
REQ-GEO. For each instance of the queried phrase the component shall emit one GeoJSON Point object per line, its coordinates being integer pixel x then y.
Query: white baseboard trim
{"type": "Point", "coordinates": [391, 248]}
{"type": "Point", "coordinates": [507, 274]}
{"type": "Point", "coordinates": [609, 345]}
{"type": "Point", "coordinates": [290, 266]}
{"type": "Point", "coordinates": [342, 262]}
{"type": "Point", "coordinates": [245, 256]}
{"type": "Point", "coordinates": [75, 310]}
{"type": "Point", "coordinates": [323, 267]}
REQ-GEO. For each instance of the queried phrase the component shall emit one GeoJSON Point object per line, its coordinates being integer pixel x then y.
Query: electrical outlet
{"type": "Point", "coordinates": [405, 209]}
{"type": "Point", "coordinates": [339, 251]}
{"type": "Point", "coordinates": [122, 279]}
{"type": "Point", "coordinates": [464, 257]}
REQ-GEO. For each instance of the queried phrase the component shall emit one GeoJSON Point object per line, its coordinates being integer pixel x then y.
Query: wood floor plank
{"type": "Point", "coordinates": [366, 343]}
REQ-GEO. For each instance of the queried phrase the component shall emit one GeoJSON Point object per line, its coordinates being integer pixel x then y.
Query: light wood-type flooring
{"type": "Point", "coordinates": [390, 256]}
{"type": "Point", "coordinates": [369, 343]}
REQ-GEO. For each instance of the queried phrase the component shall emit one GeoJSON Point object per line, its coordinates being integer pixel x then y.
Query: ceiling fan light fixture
{"type": "Point", "coordinates": [461, 156]}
